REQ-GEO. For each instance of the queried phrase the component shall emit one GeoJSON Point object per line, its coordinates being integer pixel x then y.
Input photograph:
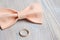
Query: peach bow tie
{"type": "Point", "coordinates": [32, 13]}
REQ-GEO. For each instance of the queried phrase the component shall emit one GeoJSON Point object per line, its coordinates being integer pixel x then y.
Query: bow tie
{"type": "Point", "coordinates": [32, 13]}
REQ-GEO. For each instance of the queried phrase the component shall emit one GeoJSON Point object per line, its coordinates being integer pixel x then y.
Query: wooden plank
{"type": "Point", "coordinates": [38, 32]}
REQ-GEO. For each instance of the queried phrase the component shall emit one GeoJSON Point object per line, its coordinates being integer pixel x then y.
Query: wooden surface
{"type": "Point", "coordinates": [37, 31]}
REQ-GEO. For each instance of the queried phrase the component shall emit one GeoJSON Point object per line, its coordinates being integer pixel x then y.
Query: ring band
{"type": "Point", "coordinates": [27, 33]}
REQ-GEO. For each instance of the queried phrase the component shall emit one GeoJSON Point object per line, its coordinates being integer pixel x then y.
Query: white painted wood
{"type": "Point", "coordinates": [46, 31]}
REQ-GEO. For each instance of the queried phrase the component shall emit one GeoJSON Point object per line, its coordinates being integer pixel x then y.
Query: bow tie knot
{"type": "Point", "coordinates": [32, 13]}
{"type": "Point", "coordinates": [20, 15]}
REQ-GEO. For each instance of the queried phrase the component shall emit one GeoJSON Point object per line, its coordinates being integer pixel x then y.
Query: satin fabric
{"type": "Point", "coordinates": [9, 17]}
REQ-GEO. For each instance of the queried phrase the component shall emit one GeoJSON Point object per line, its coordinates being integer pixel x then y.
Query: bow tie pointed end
{"type": "Point", "coordinates": [32, 13]}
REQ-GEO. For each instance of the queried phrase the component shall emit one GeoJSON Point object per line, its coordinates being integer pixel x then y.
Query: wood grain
{"type": "Point", "coordinates": [37, 31]}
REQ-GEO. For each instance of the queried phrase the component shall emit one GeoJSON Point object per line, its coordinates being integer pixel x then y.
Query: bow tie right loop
{"type": "Point", "coordinates": [33, 13]}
